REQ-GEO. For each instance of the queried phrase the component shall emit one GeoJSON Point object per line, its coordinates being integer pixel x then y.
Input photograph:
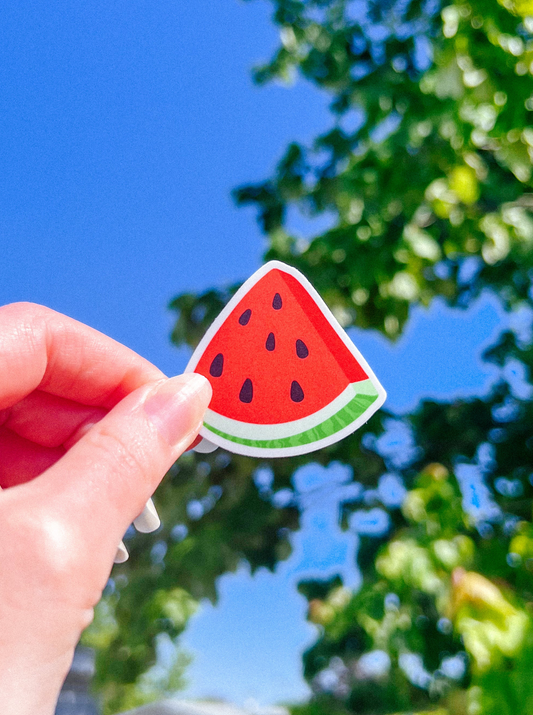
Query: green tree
{"type": "Point", "coordinates": [425, 176]}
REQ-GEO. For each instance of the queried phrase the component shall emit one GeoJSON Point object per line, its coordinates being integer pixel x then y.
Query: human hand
{"type": "Point", "coordinates": [87, 430]}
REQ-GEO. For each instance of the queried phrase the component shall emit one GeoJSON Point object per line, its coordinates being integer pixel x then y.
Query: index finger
{"type": "Point", "coordinates": [40, 348]}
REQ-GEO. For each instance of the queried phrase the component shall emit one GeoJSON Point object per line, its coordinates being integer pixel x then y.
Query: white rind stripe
{"type": "Point", "coordinates": [246, 430]}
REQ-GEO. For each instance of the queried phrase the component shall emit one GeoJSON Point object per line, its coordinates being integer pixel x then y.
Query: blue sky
{"type": "Point", "coordinates": [124, 126]}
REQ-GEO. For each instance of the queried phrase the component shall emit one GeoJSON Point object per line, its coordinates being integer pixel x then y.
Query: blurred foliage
{"type": "Point", "coordinates": [441, 613]}
{"type": "Point", "coordinates": [425, 182]}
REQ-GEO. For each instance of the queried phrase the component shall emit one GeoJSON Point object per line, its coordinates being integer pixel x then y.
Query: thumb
{"type": "Point", "coordinates": [103, 482]}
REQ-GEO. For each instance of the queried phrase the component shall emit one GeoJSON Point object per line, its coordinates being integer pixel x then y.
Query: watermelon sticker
{"type": "Point", "coordinates": [286, 378]}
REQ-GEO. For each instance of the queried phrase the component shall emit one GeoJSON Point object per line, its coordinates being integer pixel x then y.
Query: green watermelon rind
{"type": "Point", "coordinates": [348, 415]}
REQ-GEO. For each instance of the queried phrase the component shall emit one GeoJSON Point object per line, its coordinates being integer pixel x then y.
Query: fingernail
{"type": "Point", "coordinates": [122, 554]}
{"type": "Point", "coordinates": [177, 406]}
{"type": "Point", "coordinates": [148, 520]}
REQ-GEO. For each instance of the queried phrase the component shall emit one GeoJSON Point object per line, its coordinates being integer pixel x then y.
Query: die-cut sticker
{"type": "Point", "coordinates": [286, 377]}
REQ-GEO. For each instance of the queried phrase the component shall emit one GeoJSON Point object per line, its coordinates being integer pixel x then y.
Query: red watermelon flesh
{"type": "Point", "coordinates": [276, 357]}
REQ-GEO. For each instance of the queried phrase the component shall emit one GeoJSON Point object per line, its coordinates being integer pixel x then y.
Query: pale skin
{"type": "Point", "coordinates": [88, 429]}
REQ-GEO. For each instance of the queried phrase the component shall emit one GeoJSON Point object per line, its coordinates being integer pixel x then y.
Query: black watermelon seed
{"type": "Point", "coordinates": [245, 317]}
{"type": "Point", "coordinates": [247, 391]}
{"type": "Point", "coordinates": [271, 342]}
{"type": "Point", "coordinates": [301, 349]}
{"type": "Point", "coordinates": [277, 302]}
{"type": "Point", "coordinates": [217, 365]}
{"type": "Point", "coordinates": [297, 394]}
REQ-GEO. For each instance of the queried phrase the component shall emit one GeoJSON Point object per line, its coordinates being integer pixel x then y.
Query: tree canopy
{"type": "Point", "coordinates": [425, 180]}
